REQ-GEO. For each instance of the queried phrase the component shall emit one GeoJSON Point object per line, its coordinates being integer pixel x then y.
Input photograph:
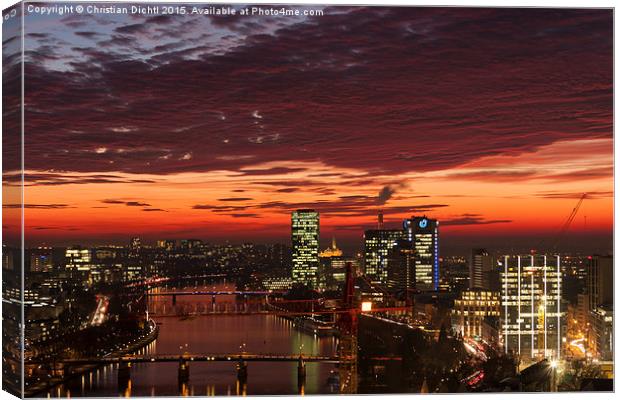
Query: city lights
{"type": "Point", "coordinates": [307, 199]}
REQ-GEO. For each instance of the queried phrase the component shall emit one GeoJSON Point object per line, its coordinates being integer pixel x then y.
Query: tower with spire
{"type": "Point", "coordinates": [332, 251]}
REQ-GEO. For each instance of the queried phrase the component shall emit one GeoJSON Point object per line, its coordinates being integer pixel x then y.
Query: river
{"type": "Point", "coordinates": [215, 334]}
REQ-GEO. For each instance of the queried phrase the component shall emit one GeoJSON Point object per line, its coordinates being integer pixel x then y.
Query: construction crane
{"type": "Point", "coordinates": [566, 225]}
{"type": "Point", "coordinates": [558, 237]}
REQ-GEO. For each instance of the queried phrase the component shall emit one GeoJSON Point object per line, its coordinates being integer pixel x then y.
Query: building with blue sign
{"type": "Point", "coordinates": [423, 234]}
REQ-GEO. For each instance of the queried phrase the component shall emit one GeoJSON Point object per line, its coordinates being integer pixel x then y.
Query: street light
{"type": "Point", "coordinates": [554, 366]}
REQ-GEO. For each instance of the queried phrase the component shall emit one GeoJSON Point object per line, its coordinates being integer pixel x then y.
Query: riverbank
{"type": "Point", "coordinates": [138, 344]}
{"type": "Point", "coordinates": [308, 324]}
{"type": "Point", "coordinates": [252, 333]}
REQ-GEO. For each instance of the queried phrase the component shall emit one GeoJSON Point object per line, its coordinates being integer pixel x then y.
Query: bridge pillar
{"type": "Point", "coordinates": [57, 369]}
{"type": "Point", "coordinates": [174, 299]}
{"type": "Point", "coordinates": [124, 375]}
{"type": "Point", "coordinates": [212, 303]}
{"type": "Point", "coordinates": [301, 388]}
{"type": "Point", "coordinates": [301, 375]}
{"type": "Point", "coordinates": [183, 372]}
{"type": "Point", "coordinates": [242, 371]}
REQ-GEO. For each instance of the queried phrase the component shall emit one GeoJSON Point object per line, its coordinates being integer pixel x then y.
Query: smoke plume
{"type": "Point", "coordinates": [387, 192]}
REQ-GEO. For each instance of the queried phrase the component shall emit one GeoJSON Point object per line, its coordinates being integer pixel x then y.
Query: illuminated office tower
{"type": "Point", "coordinates": [305, 241]}
{"type": "Point", "coordinates": [471, 308]}
{"type": "Point", "coordinates": [531, 308]}
{"type": "Point", "coordinates": [423, 233]}
{"type": "Point", "coordinates": [378, 246]}
{"type": "Point", "coordinates": [401, 267]}
{"type": "Point", "coordinates": [483, 271]}
{"type": "Point", "coordinates": [78, 259]}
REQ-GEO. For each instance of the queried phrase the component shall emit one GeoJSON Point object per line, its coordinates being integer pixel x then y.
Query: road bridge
{"type": "Point", "coordinates": [64, 367]}
{"type": "Point", "coordinates": [214, 293]}
{"type": "Point", "coordinates": [197, 357]}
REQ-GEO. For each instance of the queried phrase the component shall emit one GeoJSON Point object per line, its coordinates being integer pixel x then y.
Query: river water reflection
{"type": "Point", "coordinates": [216, 334]}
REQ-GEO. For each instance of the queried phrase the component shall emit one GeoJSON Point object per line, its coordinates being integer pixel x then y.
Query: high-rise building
{"type": "Point", "coordinates": [8, 261]}
{"type": "Point", "coordinates": [423, 233]}
{"type": "Point", "coordinates": [305, 246]}
{"type": "Point", "coordinates": [602, 331]}
{"type": "Point", "coordinates": [78, 258]}
{"type": "Point", "coordinates": [378, 244]}
{"type": "Point", "coordinates": [41, 259]}
{"type": "Point", "coordinates": [471, 308]}
{"type": "Point", "coordinates": [134, 247]}
{"type": "Point", "coordinates": [532, 318]}
{"type": "Point", "coordinates": [483, 271]}
{"type": "Point", "coordinates": [600, 286]}
{"type": "Point", "coordinates": [582, 311]}
{"type": "Point", "coordinates": [401, 267]}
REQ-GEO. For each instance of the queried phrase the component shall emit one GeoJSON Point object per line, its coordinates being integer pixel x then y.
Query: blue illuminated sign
{"type": "Point", "coordinates": [423, 223]}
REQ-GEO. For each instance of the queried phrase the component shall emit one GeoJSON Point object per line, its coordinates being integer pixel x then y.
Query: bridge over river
{"type": "Point", "coordinates": [137, 358]}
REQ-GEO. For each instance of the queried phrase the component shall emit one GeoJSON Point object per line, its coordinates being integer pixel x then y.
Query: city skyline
{"type": "Point", "coordinates": [306, 200]}
{"type": "Point", "coordinates": [185, 133]}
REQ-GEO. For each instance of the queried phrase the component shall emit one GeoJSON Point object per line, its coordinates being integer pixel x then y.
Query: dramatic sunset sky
{"type": "Point", "coordinates": [493, 121]}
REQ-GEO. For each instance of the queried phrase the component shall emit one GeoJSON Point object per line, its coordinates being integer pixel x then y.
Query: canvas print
{"type": "Point", "coordinates": [249, 199]}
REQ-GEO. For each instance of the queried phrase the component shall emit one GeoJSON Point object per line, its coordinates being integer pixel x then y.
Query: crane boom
{"type": "Point", "coordinates": [570, 219]}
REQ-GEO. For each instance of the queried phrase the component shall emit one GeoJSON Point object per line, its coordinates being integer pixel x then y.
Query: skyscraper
{"type": "Point", "coordinates": [378, 244]}
{"type": "Point", "coordinates": [305, 243]}
{"type": "Point", "coordinates": [600, 294]}
{"type": "Point", "coordinates": [483, 271]}
{"type": "Point", "coordinates": [423, 233]}
{"type": "Point", "coordinates": [531, 311]}
{"type": "Point", "coordinates": [600, 287]}
{"type": "Point", "coordinates": [401, 267]}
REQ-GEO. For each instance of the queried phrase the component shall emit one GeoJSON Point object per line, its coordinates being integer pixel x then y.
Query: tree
{"type": "Point", "coordinates": [498, 368]}
{"type": "Point", "coordinates": [571, 379]}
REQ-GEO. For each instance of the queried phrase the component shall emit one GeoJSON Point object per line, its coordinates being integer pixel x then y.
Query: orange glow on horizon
{"type": "Point", "coordinates": [489, 196]}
